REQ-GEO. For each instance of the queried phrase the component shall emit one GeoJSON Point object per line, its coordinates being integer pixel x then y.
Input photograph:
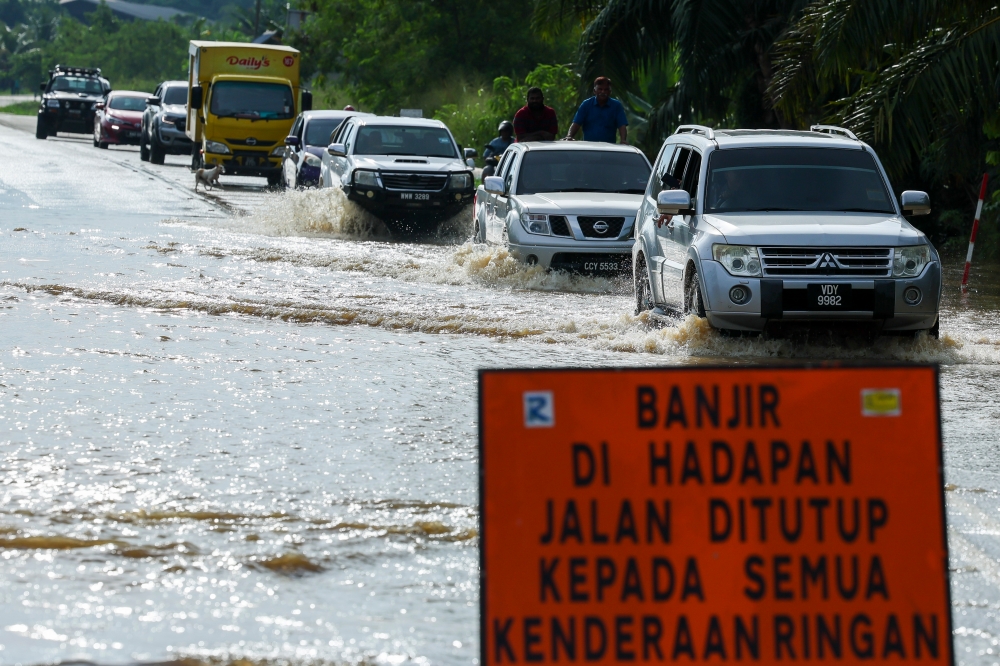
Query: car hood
{"type": "Point", "coordinates": [131, 116]}
{"type": "Point", "coordinates": [74, 96]}
{"type": "Point", "coordinates": [174, 109]}
{"type": "Point", "coordinates": [585, 203]}
{"type": "Point", "coordinates": [416, 163]}
{"type": "Point", "coordinates": [815, 229]}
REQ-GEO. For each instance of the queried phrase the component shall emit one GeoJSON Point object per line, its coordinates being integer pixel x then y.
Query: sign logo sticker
{"type": "Point", "coordinates": [539, 409]}
{"type": "Point", "coordinates": [881, 402]}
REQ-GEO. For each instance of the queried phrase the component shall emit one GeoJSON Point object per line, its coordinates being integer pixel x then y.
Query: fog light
{"type": "Point", "coordinates": [531, 260]}
{"type": "Point", "coordinates": [458, 197]}
{"type": "Point", "coordinates": [912, 295]}
{"type": "Point", "coordinates": [370, 194]}
{"type": "Point", "coordinates": [739, 295]}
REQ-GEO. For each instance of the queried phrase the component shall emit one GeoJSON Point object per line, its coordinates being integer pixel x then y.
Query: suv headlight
{"type": "Point", "coordinates": [52, 103]}
{"type": "Point", "coordinates": [312, 160]}
{"type": "Point", "coordinates": [535, 224]}
{"type": "Point", "coordinates": [366, 178]}
{"type": "Point", "coordinates": [909, 261]}
{"type": "Point", "coordinates": [216, 147]}
{"type": "Point", "coordinates": [741, 260]}
{"type": "Point", "coordinates": [278, 151]}
{"type": "Point", "coordinates": [460, 181]}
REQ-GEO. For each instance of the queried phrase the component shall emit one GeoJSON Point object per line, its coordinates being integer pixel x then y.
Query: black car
{"type": "Point", "coordinates": [69, 99]}
{"type": "Point", "coordinates": [163, 123]}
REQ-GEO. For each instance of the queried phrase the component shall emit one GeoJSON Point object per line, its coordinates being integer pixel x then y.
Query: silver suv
{"type": "Point", "coordinates": [752, 227]}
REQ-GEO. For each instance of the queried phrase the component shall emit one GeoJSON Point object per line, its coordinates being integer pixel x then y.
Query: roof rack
{"type": "Point", "coordinates": [76, 71]}
{"type": "Point", "coordinates": [708, 132]}
{"type": "Point", "coordinates": [833, 129]}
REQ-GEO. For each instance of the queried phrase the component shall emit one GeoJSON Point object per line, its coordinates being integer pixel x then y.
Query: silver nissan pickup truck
{"type": "Point", "coordinates": [751, 228]}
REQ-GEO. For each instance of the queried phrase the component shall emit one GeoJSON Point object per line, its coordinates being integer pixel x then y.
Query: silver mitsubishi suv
{"type": "Point", "coordinates": [752, 228]}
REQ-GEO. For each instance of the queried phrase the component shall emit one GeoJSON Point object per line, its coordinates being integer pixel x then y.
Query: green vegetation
{"type": "Point", "coordinates": [28, 108]}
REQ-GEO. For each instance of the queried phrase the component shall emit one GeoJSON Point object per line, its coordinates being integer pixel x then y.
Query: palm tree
{"type": "Point", "coordinates": [915, 78]}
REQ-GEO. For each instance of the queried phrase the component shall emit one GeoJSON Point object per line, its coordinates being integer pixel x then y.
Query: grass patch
{"type": "Point", "coordinates": [26, 108]}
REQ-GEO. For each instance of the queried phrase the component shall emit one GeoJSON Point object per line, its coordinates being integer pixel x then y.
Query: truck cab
{"type": "Point", "coordinates": [242, 101]}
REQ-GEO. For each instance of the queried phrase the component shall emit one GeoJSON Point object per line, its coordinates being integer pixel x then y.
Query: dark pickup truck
{"type": "Point", "coordinates": [68, 100]}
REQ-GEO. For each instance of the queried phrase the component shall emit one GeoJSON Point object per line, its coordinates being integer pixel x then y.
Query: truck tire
{"type": "Point", "coordinates": [195, 157]}
{"type": "Point", "coordinates": [156, 151]}
{"type": "Point", "coordinates": [143, 148]}
{"type": "Point", "coordinates": [41, 129]}
{"type": "Point", "coordinates": [643, 289]}
{"type": "Point", "coordinates": [693, 301]}
{"type": "Point", "coordinates": [274, 179]}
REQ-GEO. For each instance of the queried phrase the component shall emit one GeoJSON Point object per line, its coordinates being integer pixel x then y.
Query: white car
{"type": "Point", "coordinates": [568, 205]}
{"type": "Point", "coordinates": [410, 172]}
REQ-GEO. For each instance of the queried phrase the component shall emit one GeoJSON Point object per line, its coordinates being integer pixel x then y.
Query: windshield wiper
{"type": "Point", "coordinates": [862, 210]}
{"type": "Point", "coordinates": [629, 192]}
{"type": "Point", "coordinates": [771, 210]}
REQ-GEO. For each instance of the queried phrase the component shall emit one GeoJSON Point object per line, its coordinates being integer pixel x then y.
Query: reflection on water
{"type": "Point", "coordinates": [254, 437]}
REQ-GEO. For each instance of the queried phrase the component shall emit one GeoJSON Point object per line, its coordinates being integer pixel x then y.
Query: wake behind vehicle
{"type": "Point", "coordinates": [119, 118]}
{"type": "Point", "coordinates": [409, 172]}
{"type": "Point", "coordinates": [163, 123]}
{"type": "Point", "coordinates": [242, 101]}
{"type": "Point", "coordinates": [305, 144]}
{"type": "Point", "coordinates": [564, 205]}
{"type": "Point", "coordinates": [69, 100]}
{"type": "Point", "coordinates": [756, 228]}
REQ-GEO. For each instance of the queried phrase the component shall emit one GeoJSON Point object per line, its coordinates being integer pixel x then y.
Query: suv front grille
{"type": "Point", "coordinates": [560, 227]}
{"type": "Point", "coordinates": [833, 261]}
{"type": "Point", "coordinates": [611, 229]}
{"type": "Point", "coordinates": [414, 181]}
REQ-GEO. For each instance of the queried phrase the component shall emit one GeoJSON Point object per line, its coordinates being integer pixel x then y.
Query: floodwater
{"type": "Point", "coordinates": [229, 437]}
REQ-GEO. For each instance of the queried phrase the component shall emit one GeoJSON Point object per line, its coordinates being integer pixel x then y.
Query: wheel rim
{"type": "Point", "coordinates": [643, 295]}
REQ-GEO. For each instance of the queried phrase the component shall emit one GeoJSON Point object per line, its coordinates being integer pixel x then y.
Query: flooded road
{"type": "Point", "coordinates": [244, 426]}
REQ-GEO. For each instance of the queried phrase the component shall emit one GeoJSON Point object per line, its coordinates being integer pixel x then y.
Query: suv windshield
{"type": "Point", "coordinates": [795, 179]}
{"type": "Point", "coordinates": [257, 101]}
{"type": "Point", "coordinates": [421, 141]}
{"type": "Point", "coordinates": [318, 130]}
{"type": "Point", "coordinates": [175, 95]}
{"type": "Point", "coordinates": [583, 171]}
{"type": "Point", "coordinates": [127, 103]}
{"type": "Point", "coordinates": [76, 84]}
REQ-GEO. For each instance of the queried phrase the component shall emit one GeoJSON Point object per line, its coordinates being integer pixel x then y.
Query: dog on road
{"type": "Point", "coordinates": [207, 177]}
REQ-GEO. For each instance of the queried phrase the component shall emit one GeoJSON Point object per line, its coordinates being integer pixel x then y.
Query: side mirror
{"type": "Point", "coordinates": [292, 141]}
{"type": "Point", "coordinates": [915, 202]}
{"type": "Point", "coordinates": [673, 202]}
{"type": "Point", "coordinates": [152, 101]}
{"type": "Point", "coordinates": [196, 97]}
{"type": "Point", "coordinates": [307, 101]}
{"type": "Point", "coordinates": [494, 185]}
{"type": "Point", "coordinates": [337, 149]}
{"type": "Point", "coordinates": [470, 153]}
{"type": "Point", "coordinates": [43, 85]}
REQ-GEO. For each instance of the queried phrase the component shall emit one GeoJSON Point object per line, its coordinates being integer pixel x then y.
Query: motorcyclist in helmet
{"type": "Point", "coordinates": [496, 147]}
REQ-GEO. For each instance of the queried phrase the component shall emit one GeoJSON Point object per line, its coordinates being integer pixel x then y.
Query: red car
{"type": "Point", "coordinates": [119, 118]}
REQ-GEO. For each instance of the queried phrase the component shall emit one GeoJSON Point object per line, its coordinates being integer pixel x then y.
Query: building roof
{"type": "Point", "coordinates": [121, 9]}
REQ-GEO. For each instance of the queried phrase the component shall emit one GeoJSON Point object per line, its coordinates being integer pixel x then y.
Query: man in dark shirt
{"type": "Point", "coordinates": [600, 116]}
{"type": "Point", "coordinates": [535, 121]}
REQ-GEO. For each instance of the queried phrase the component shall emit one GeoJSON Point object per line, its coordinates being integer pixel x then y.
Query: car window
{"type": "Point", "coordinates": [795, 179]}
{"type": "Point", "coordinates": [508, 172]}
{"type": "Point", "coordinates": [657, 185]}
{"type": "Point", "coordinates": [297, 128]}
{"type": "Point", "coordinates": [679, 162]}
{"type": "Point", "coordinates": [123, 103]}
{"type": "Point", "coordinates": [76, 84]}
{"type": "Point", "coordinates": [319, 130]}
{"type": "Point", "coordinates": [175, 95]}
{"type": "Point", "coordinates": [347, 137]}
{"type": "Point", "coordinates": [691, 174]}
{"type": "Point", "coordinates": [504, 163]}
{"type": "Point", "coordinates": [405, 140]}
{"type": "Point", "coordinates": [610, 171]}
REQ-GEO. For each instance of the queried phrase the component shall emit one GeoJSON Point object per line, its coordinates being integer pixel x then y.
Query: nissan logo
{"type": "Point", "coordinates": [601, 227]}
{"type": "Point", "coordinates": [251, 141]}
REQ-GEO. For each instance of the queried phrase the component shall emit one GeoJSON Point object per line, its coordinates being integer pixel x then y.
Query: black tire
{"type": "Point", "coordinates": [478, 236]}
{"type": "Point", "coordinates": [41, 129]}
{"type": "Point", "coordinates": [157, 154]}
{"type": "Point", "coordinates": [103, 145]}
{"type": "Point", "coordinates": [143, 148]}
{"type": "Point", "coordinates": [274, 179]}
{"type": "Point", "coordinates": [195, 157]}
{"type": "Point", "coordinates": [643, 289]}
{"type": "Point", "coordinates": [693, 301]}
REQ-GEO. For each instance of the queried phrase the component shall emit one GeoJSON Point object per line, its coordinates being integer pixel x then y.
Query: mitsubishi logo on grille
{"type": "Point", "coordinates": [251, 141]}
{"type": "Point", "coordinates": [828, 261]}
{"type": "Point", "coordinates": [601, 227]}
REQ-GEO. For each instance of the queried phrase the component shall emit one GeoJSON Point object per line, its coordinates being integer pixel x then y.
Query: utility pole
{"type": "Point", "coordinates": [256, 22]}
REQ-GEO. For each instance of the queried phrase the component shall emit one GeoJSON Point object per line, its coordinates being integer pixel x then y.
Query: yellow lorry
{"type": "Point", "coordinates": [242, 101]}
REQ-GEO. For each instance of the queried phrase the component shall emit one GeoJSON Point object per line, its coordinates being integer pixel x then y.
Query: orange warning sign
{"type": "Point", "coordinates": [711, 515]}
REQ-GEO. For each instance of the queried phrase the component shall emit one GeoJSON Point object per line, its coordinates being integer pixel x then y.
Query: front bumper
{"type": "Point", "coordinates": [247, 163]}
{"type": "Point", "coordinates": [592, 259]}
{"type": "Point", "coordinates": [125, 135]}
{"type": "Point", "coordinates": [67, 120]}
{"type": "Point", "coordinates": [403, 202]}
{"type": "Point", "coordinates": [173, 140]}
{"type": "Point", "coordinates": [783, 299]}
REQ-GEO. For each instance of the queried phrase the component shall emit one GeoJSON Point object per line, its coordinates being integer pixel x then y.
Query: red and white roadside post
{"type": "Point", "coordinates": [975, 230]}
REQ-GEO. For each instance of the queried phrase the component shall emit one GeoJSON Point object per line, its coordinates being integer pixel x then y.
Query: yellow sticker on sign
{"type": "Point", "coordinates": [881, 402]}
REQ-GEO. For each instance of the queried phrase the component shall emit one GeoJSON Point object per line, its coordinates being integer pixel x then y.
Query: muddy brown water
{"type": "Point", "coordinates": [253, 436]}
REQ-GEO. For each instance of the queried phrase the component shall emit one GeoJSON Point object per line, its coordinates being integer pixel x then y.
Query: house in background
{"type": "Point", "coordinates": [123, 10]}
